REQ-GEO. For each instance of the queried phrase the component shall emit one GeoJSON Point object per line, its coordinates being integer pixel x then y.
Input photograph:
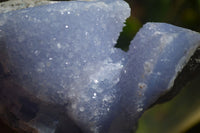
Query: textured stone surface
{"type": "Point", "coordinates": [11, 5]}
{"type": "Point", "coordinates": [64, 54]}
{"type": "Point", "coordinates": [63, 60]}
{"type": "Point", "coordinates": [156, 57]}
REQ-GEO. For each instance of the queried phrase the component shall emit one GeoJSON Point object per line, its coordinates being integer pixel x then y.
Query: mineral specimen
{"type": "Point", "coordinates": [162, 58]}
{"type": "Point", "coordinates": [63, 54]}
{"type": "Point", "coordinates": [60, 71]}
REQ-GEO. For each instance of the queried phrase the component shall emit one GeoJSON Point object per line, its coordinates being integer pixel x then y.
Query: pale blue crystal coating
{"type": "Point", "coordinates": [64, 54]}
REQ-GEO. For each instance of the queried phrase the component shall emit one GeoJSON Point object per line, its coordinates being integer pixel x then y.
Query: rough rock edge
{"type": "Point", "coordinates": [190, 71]}
{"type": "Point", "coordinates": [21, 4]}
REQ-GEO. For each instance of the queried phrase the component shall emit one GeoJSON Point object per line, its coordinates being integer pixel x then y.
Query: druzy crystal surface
{"type": "Point", "coordinates": [64, 54]}
{"type": "Point", "coordinates": [60, 71]}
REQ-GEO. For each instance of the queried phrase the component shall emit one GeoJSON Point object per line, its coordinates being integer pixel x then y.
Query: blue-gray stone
{"type": "Point", "coordinates": [156, 57]}
{"type": "Point", "coordinates": [63, 54]}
